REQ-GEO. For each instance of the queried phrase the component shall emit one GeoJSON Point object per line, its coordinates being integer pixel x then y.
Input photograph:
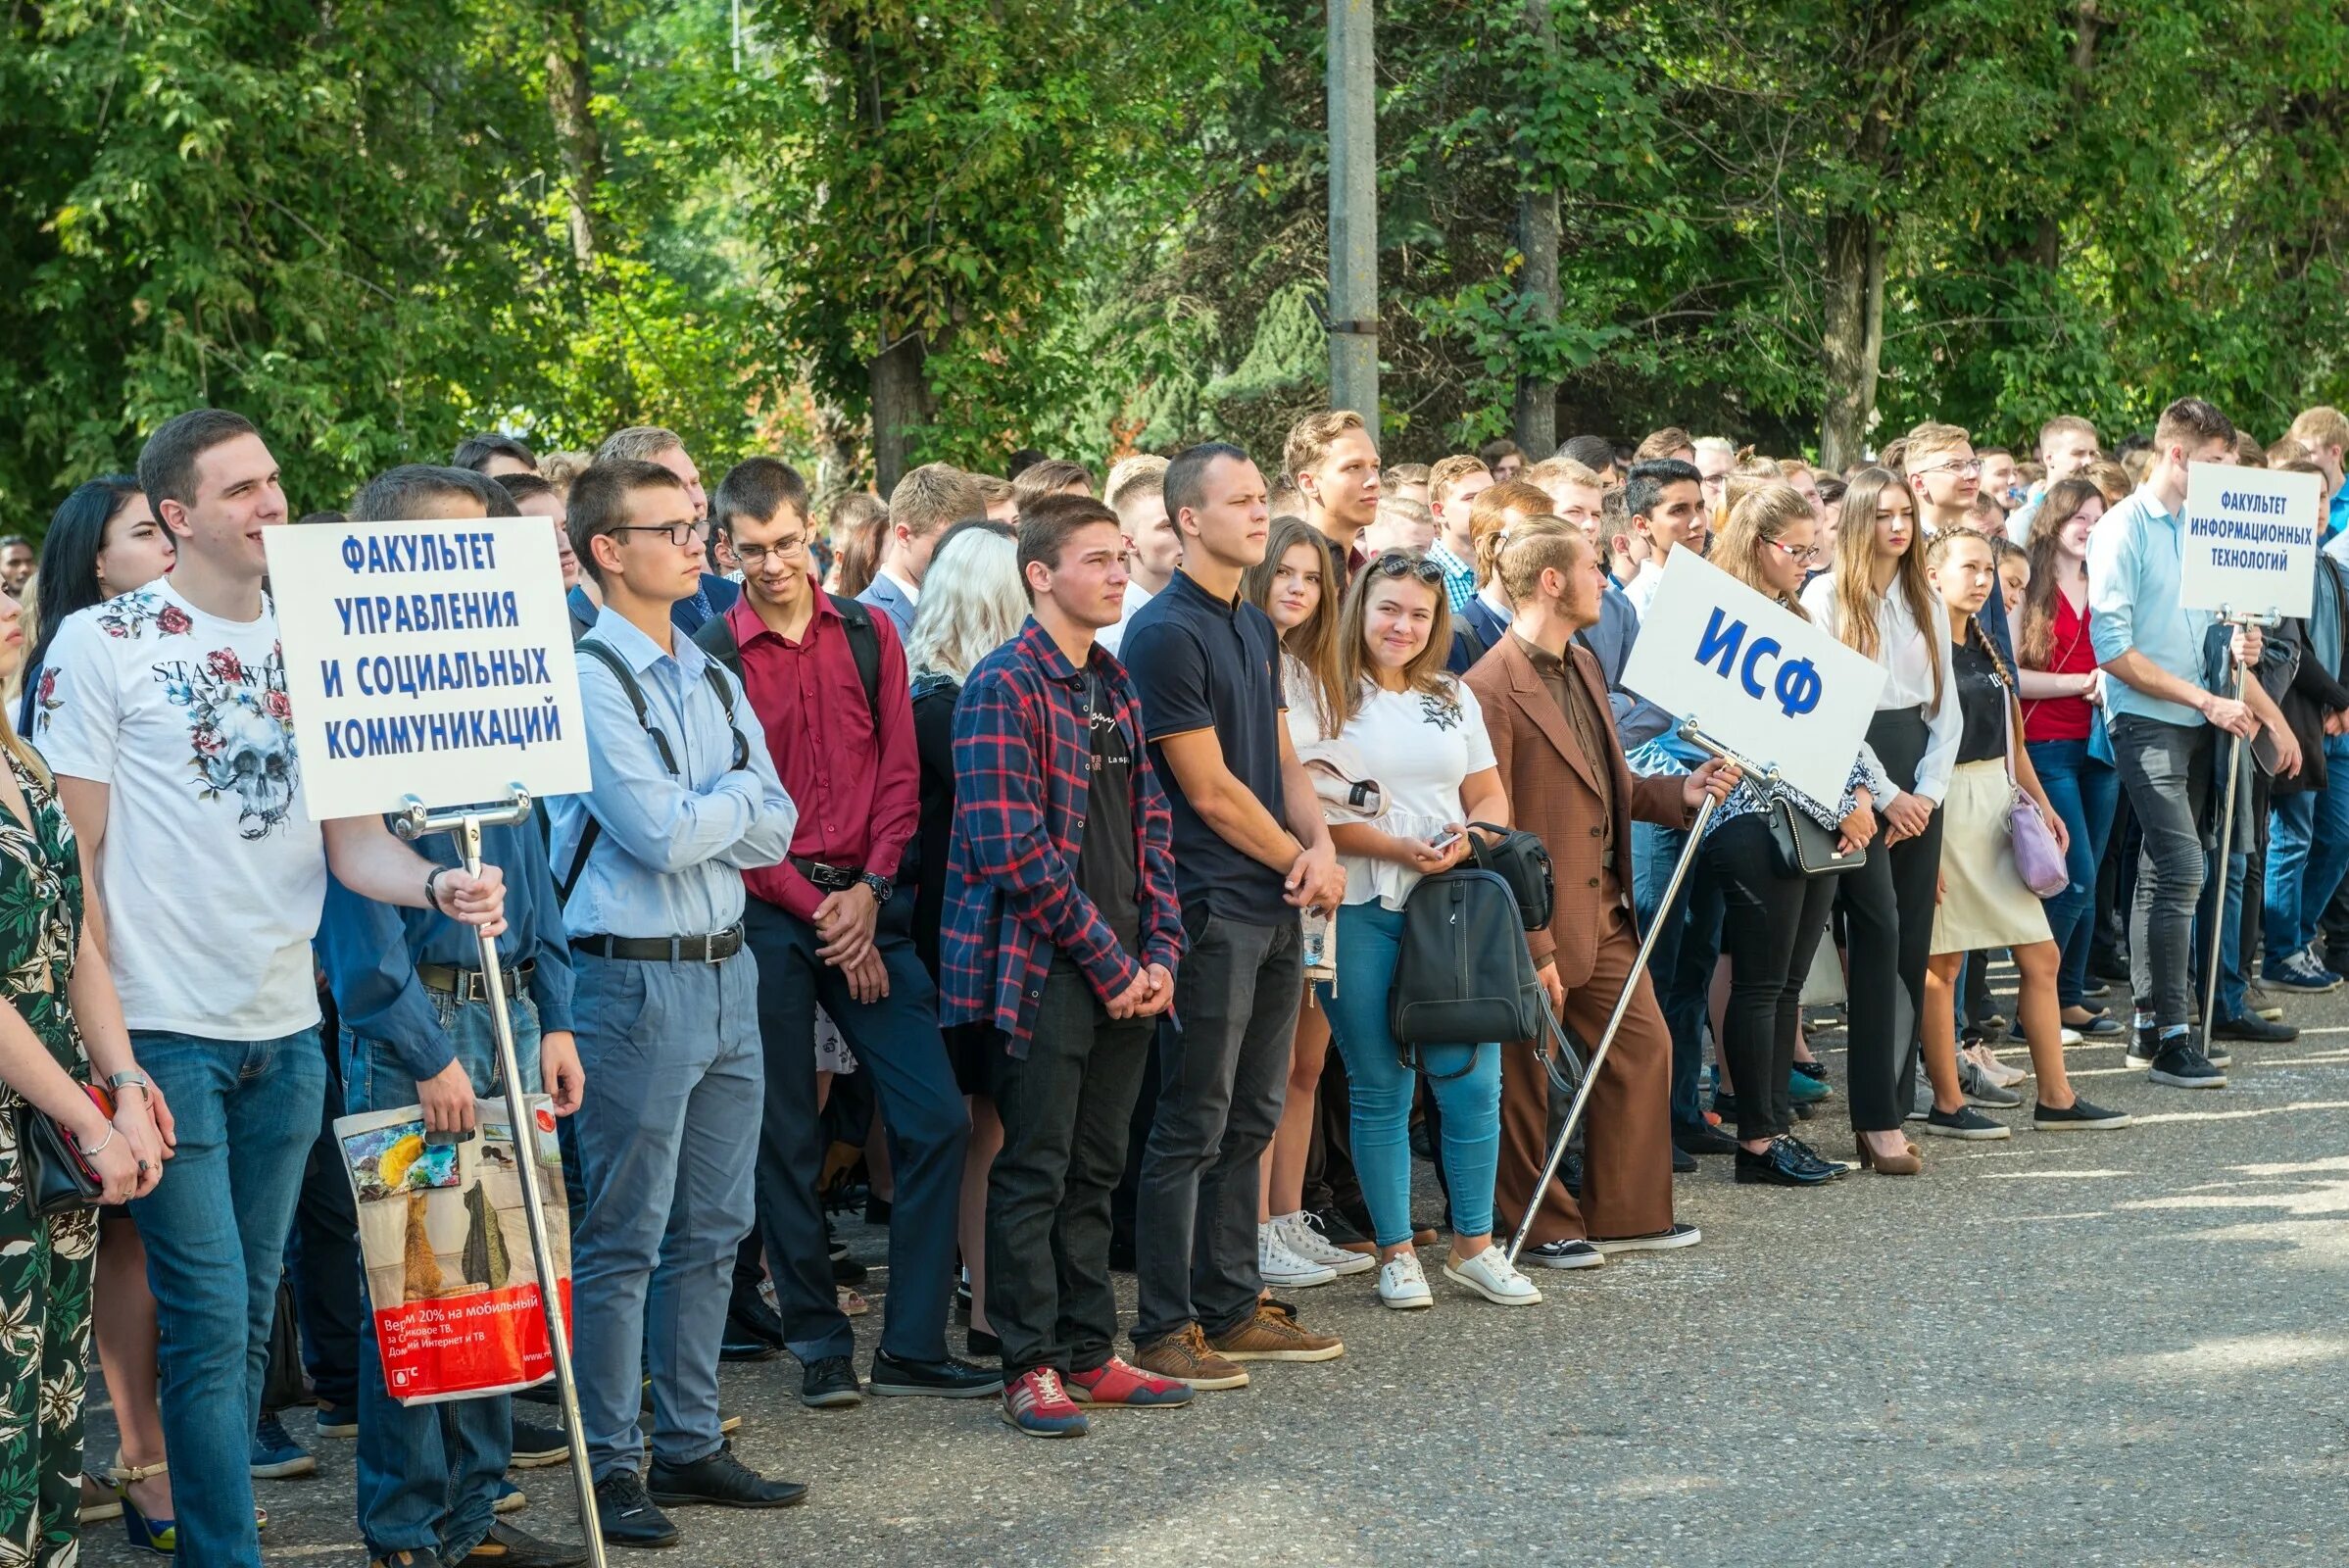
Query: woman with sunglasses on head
{"type": "Point", "coordinates": [2060, 685]}
{"type": "Point", "coordinates": [1419, 731]}
{"type": "Point", "coordinates": [1291, 585]}
{"type": "Point", "coordinates": [1983, 902]}
{"type": "Point", "coordinates": [1875, 599]}
{"type": "Point", "coordinates": [1773, 922]}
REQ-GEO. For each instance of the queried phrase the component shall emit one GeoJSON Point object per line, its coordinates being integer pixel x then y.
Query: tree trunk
{"type": "Point", "coordinates": [901, 400]}
{"type": "Point", "coordinates": [569, 88]}
{"type": "Point", "coordinates": [835, 455]}
{"type": "Point", "coordinates": [1853, 337]}
{"type": "Point", "coordinates": [1534, 420]}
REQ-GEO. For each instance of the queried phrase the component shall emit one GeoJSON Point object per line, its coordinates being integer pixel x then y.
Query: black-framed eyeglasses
{"type": "Point", "coordinates": [679, 533]}
{"type": "Point", "coordinates": [1395, 564]}
{"type": "Point", "coordinates": [753, 557]}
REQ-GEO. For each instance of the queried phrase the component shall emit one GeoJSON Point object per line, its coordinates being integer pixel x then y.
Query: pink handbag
{"type": "Point", "coordinates": [2037, 857]}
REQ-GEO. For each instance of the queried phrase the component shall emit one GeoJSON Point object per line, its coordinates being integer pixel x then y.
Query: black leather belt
{"type": "Point", "coordinates": [471, 985]}
{"type": "Point", "coordinates": [831, 878]}
{"type": "Point", "coordinates": [715, 948]}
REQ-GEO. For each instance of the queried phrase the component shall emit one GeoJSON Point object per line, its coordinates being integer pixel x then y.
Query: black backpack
{"type": "Point", "coordinates": [603, 655]}
{"type": "Point", "coordinates": [715, 637]}
{"type": "Point", "coordinates": [1521, 860]}
{"type": "Point", "coordinates": [1464, 975]}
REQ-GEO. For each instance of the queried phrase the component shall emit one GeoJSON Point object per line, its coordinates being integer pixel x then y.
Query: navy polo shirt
{"type": "Point", "coordinates": [1201, 663]}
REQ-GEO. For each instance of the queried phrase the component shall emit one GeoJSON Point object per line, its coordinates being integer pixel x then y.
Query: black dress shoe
{"type": "Point", "coordinates": [628, 1516]}
{"type": "Point", "coordinates": [949, 1378]}
{"type": "Point", "coordinates": [505, 1546]}
{"type": "Point", "coordinates": [1705, 1140]}
{"type": "Point", "coordinates": [845, 1270]}
{"type": "Point", "coordinates": [749, 1311]}
{"type": "Point", "coordinates": [720, 1480]}
{"type": "Point", "coordinates": [830, 1384]}
{"type": "Point", "coordinates": [1683, 1161]}
{"type": "Point", "coordinates": [978, 1341]}
{"type": "Point", "coordinates": [876, 1210]}
{"type": "Point", "coordinates": [741, 1344]}
{"type": "Point", "coordinates": [1781, 1164]}
{"type": "Point", "coordinates": [2256, 1029]}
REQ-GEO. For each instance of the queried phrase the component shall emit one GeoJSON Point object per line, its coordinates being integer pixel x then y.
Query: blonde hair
{"type": "Point", "coordinates": [1492, 515]}
{"type": "Point", "coordinates": [973, 600]}
{"type": "Point", "coordinates": [1758, 519]}
{"type": "Point", "coordinates": [2321, 426]}
{"type": "Point", "coordinates": [1562, 471]}
{"type": "Point", "coordinates": [1446, 474]}
{"type": "Point", "coordinates": [1930, 440]}
{"type": "Point", "coordinates": [1855, 574]}
{"type": "Point", "coordinates": [642, 442]}
{"type": "Point", "coordinates": [1134, 478]}
{"type": "Point", "coordinates": [559, 469]}
{"type": "Point", "coordinates": [935, 496]}
{"type": "Point", "coordinates": [1311, 437]}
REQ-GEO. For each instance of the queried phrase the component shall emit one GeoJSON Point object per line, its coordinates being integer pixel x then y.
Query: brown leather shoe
{"type": "Point", "coordinates": [1273, 1335]}
{"type": "Point", "coordinates": [1184, 1357]}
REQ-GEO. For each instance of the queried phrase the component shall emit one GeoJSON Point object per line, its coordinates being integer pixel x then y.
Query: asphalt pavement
{"type": "Point", "coordinates": [2119, 1347]}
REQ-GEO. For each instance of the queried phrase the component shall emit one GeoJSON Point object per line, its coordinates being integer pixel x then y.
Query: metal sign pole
{"type": "Point", "coordinates": [2225, 869]}
{"type": "Point", "coordinates": [413, 823]}
{"type": "Point", "coordinates": [1623, 1003]}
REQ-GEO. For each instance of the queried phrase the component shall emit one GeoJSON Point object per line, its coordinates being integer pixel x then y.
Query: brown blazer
{"type": "Point", "coordinates": [1553, 793]}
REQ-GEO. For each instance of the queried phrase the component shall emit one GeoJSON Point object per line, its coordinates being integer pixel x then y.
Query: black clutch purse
{"type": "Point", "coordinates": [57, 1176]}
{"type": "Point", "coordinates": [1800, 846]}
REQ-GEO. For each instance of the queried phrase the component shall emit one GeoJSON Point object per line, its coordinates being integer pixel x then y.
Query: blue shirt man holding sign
{"type": "Point", "coordinates": [649, 861]}
{"type": "Point", "coordinates": [2165, 721]}
{"type": "Point", "coordinates": [416, 1030]}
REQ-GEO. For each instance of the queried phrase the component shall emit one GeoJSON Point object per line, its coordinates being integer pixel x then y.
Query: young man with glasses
{"type": "Point", "coordinates": [826, 678]}
{"type": "Point", "coordinates": [650, 862]}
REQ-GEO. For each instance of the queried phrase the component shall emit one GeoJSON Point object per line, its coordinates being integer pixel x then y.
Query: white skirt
{"type": "Point", "coordinates": [1984, 901]}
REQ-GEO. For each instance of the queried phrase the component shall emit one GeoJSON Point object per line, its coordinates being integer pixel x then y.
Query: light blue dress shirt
{"type": "Point", "coordinates": [670, 857]}
{"type": "Point", "coordinates": [2134, 563]}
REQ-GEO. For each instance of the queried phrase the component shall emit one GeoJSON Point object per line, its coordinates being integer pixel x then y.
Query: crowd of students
{"type": "Point", "coordinates": [1044, 816]}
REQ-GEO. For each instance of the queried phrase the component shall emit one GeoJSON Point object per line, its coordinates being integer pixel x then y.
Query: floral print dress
{"type": "Point", "coordinates": [44, 1264]}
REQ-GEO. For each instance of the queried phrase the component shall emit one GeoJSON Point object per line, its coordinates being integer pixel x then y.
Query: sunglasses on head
{"type": "Point", "coordinates": [1395, 564]}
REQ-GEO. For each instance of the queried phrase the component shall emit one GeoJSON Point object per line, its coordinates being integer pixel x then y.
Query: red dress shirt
{"type": "Point", "coordinates": [858, 793]}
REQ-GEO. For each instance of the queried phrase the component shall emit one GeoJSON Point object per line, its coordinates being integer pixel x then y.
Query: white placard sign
{"type": "Point", "coordinates": [427, 659]}
{"type": "Point", "coordinates": [1760, 679]}
{"type": "Point", "coordinates": [2251, 537]}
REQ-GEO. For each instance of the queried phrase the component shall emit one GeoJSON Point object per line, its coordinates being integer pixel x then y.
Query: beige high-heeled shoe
{"type": "Point", "coordinates": [1908, 1165]}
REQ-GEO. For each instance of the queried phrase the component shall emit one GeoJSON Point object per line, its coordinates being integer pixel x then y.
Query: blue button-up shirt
{"type": "Point", "coordinates": [2336, 511]}
{"type": "Point", "coordinates": [371, 950]}
{"type": "Point", "coordinates": [670, 858]}
{"type": "Point", "coordinates": [2133, 557]}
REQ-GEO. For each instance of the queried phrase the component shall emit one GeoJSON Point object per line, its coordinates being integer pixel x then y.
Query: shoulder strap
{"type": "Point", "coordinates": [724, 688]}
{"type": "Point", "coordinates": [865, 646]}
{"type": "Point", "coordinates": [715, 637]}
{"type": "Point", "coordinates": [601, 653]}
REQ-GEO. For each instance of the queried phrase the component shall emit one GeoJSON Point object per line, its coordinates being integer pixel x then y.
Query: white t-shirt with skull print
{"type": "Point", "coordinates": [211, 873]}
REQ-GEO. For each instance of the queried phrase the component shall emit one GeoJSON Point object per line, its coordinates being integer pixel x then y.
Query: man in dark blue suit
{"type": "Point", "coordinates": [650, 443]}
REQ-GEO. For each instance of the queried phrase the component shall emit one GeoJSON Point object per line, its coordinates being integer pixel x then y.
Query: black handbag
{"type": "Point", "coordinates": [1464, 975]}
{"type": "Point", "coordinates": [57, 1176]}
{"type": "Point", "coordinates": [1800, 846]}
{"type": "Point", "coordinates": [1521, 860]}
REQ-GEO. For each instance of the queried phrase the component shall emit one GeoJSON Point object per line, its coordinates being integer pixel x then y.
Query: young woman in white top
{"type": "Point", "coordinates": [1878, 601]}
{"type": "Point", "coordinates": [1291, 585]}
{"type": "Point", "coordinates": [1421, 734]}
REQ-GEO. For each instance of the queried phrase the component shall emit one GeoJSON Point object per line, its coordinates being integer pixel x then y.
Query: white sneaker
{"type": "Point", "coordinates": [1280, 1265]}
{"type": "Point", "coordinates": [1314, 1248]}
{"type": "Point", "coordinates": [1401, 1285]}
{"type": "Point", "coordinates": [1491, 1276]}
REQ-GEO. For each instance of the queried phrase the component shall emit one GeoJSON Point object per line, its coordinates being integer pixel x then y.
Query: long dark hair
{"type": "Point", "coordinates": [69, 569]}
{"type": "Point", "coordinates": [2035, 643]}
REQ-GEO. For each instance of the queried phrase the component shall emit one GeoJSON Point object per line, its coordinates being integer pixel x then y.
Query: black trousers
{"type": "Point", "coordinates": [1887, 910]}
{"type": "Point", "coordinates": [1066, 1106]}
{"type": "Point", "coordinates": [322, 1261]}
{"type": "Point", "coordinates": [1771, 932]}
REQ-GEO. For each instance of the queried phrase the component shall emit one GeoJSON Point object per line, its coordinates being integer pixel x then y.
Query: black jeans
{"type": "Point", "coordinates": [895, 1040]}
{"type": "Point", "coordinates": [1771, 932]}
{"type": "Point", "coordinates": [1223, 1072]}
{"type": "Point", "coordinates": [323, 1263]}
{"type": "Point", "coordinates": [1888, 909]}
{"type": "Point", "coordinates": [2165, 771]}
{"type": "Point", "coordinates": [1065, 1107]}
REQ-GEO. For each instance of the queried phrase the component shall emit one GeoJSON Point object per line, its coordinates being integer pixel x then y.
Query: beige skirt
{"type": "Point", "coordinates": [1984, 902]}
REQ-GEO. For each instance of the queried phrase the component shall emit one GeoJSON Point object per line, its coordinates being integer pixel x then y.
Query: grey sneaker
{"type": "Point", "coordinates": [1979, 1091]}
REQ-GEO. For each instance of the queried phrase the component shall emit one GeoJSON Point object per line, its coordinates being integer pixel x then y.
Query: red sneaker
{"type": "Point", "coordinates": [1035, 1402]}
{"type": "Point", "coordinates": [1115, 1382]}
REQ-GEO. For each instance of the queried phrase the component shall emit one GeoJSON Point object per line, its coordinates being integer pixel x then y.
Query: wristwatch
{"type": "Point", "coordinates": [882, 887]}
{"type": "Point", "coordinates": [126, 1080]}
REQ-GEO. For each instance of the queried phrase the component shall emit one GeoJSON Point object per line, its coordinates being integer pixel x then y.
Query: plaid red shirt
{"type": "Point", "coordinates": [1023, 770]}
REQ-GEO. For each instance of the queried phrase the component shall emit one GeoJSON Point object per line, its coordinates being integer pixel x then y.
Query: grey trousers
{"type": "Point", "coordinates": [669, 1143]}
{"type": "Point", "coordinates": [1223, 1073]}
{"type": "Point", "coordinates": [2166, 768]}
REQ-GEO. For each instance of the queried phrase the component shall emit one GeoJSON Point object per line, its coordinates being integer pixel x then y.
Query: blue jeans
{"type": "Point", "coordinates": [1381, 1087]}
{"type": "Point", "coordinates": [2308, 854]}
{"type": "Point", "coordinates": [2084, 793]}
{"type": "Point", "coordinates": [428, 1473]}
{"type": "Point", "coordinates": [667, 1134]}
{"type": "Point", "coordinates": [216, 1228]}
{"type": "Point", "coordinates": [1681, 963]}
{"type": "Point", "coordinates": [2232, 985]}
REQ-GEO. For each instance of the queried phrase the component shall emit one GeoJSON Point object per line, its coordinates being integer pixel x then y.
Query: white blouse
{"type": "Point", "coordinates": [1902, 649]}
{"type": "Point", "coordinates": [1420, 748]}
